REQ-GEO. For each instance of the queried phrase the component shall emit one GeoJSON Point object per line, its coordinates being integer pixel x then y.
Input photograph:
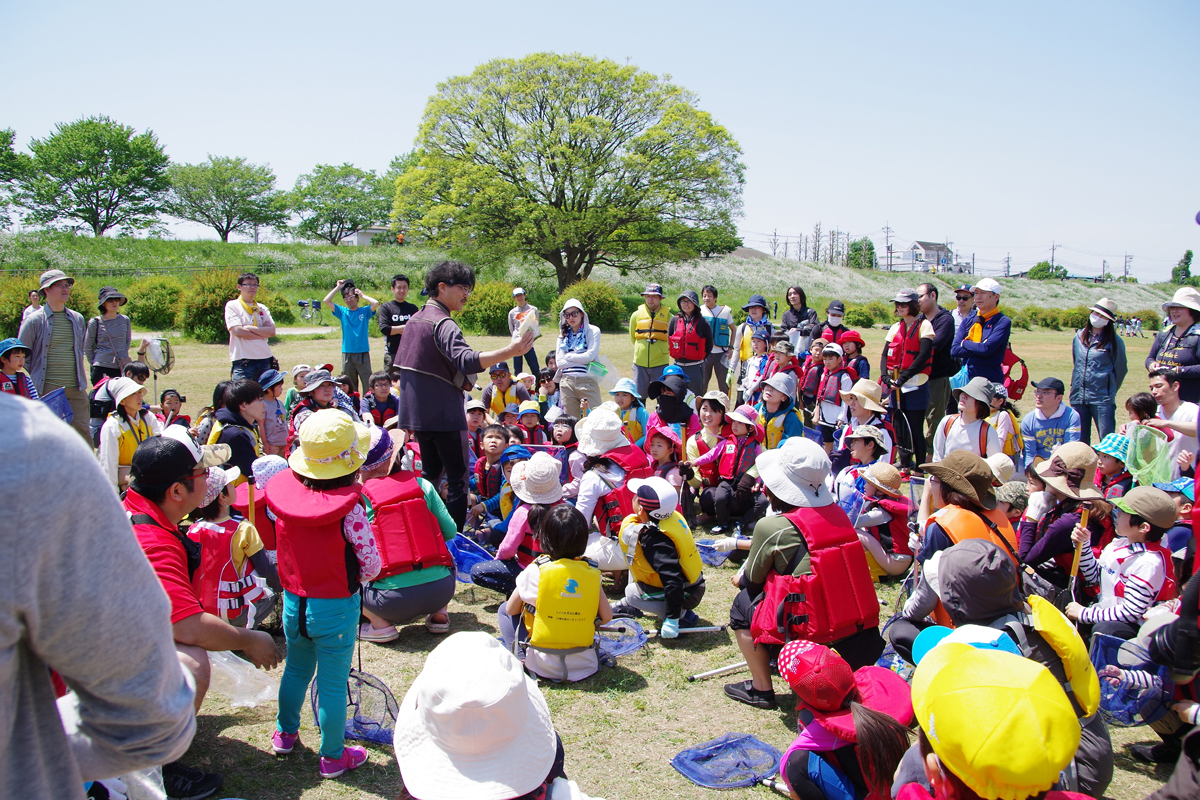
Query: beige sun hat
{"type": "Point", "coordinates": [795, 472]}
{"type": "Point", "coordinates": [1071, 470]}
{"type": "Point", "coordinates": [868, 393]}
{"type": "Point", "coordinates": [1105, 308]}
{"type": "Point", "coordinates": [536, 480]}
{"type": "Point", "coordinates": [1002, 467]}
{"type": "Point", "coordinates": [599, 432]}
{"type": "Point", "coordinates": [717, 396]}
{"type": "Point", "coordinates": [885, 478]}
{"type": "Point", "coordinates": [473, 724]}
{"type": "Point", "coordinates": [1185, 297]}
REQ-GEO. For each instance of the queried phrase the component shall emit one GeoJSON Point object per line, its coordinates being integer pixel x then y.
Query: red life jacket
{"type": "Point", "coordinates": [315, 560]}
{"type": "Point", "coordinates": [618, 502]}
{"type": "Point", "coordinates": [534, 435]}
{"type": "Point", "coordinates": [222, 591]}
{"type": "Point", "coordinates": [304, 402]}
{"type": "Point", "coordinates": [709, 472]}
{"type": "Point", "coordinates": [686, 343]}
{"type": "Point", "coordinates": [812, 378]}
{"type": "Point", "coordinates": [529, 549]}
{"type": "Point", "coordinates": [262, 521]}
{"type": "Point", "coordinates": [903, 351]}
{"type": "Point", "coordinates": [731, 465]}
{"type": "Point", "coordinates": [406, 532]}
{"type": "Point", "coordinates": [17, 385]}
{"type": "Point", "coordinates": [835, 601]}
{"type": "Point", "coordinates": [1015, 380]}
{"type": "Point", "coordinates": [830, 389]}
{"type": "Point", "coordinates": [382, 412]}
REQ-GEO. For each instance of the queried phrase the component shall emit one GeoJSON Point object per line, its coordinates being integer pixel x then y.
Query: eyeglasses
{"type": "Point", "coordinates": [963, 297]}
{"type": "Point", "coordinates": [573, 314]}
{"type": "Point", "coordinates": [249, 285]}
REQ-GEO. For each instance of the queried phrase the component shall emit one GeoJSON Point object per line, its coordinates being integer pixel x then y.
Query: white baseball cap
{"type": "Point", "coordinates": [656, 496]}
{"type": "Point", "coordinates": [518, 291]}
{"type": "Point", "coordinates": [988, 285]}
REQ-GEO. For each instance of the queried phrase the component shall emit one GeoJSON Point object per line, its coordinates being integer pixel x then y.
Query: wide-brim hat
{"type": "Point", "coordinates": [626, 385]}
{"type": "Point", "coordinates": [755, 300]}
{"type": "Point", "coordinates": [473, 724]}
{"type": "Point", "coordinates": [871, 432]}
{"type": "Point", "coordinates": [1105, 308]}
{"type": "Point", "coordinates": [653, 289]}
{"type": "Point", "coordinates": [795, 472]}
{"type": "Point", "coordinates": [1071, 470]}
{"type": "Point", "coordinates": [851, 336]}
{"type": "Point", "coordinates": [967, 474]}
{"type": "Point", "coordinates": [13, 343]}
{"type": "Point", "coordinates": [110, 293]}
{"type": "Point", "coordinates": [748, 415]}
{"type": "Point", "coordinates": [51, 276]}
{"type": "Point", "coordinates": [331, 445]}
{"type": "Point", "coordinates": [529, 407]}
{"type": "Point", "coordinates": [977, 388]}
{"type": "Point", "coordinates": [599, 432]}
{"type": "Point", "coordinates": [536, 480]}
{"type": "Point", "coordinates": [270, 378]}
{"type": "Point", "coordinates": [121, 388]}
{"type": "Point", "coordinates": [315, 378]}
{"type": "Point", "coordinates": [1002, 468]}
{"type": "Point", "coordinates": [783, 382]}
{"type": "Point", "coordinates": [1185, 297]}
{"type": "Point", "coordinates": [868, 394]}
{"type": "Point", "coordinates": [669, 433]}
{"type": "Point", "coordinates": [885, 478]}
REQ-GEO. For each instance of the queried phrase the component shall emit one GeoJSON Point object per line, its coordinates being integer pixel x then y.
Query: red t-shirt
{"type": "Point", "coordinates": [166, 555]}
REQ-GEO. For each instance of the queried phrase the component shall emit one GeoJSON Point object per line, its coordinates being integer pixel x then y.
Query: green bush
{"type": "Point", "coordinates": [154, 302]}
{"type": "Point", "coordinates": [1075, 318]}
{"type": "Point", "coordinates": [859, 317]}
{"type": "Point", "coordinates": [14, 296]}
{"type": "Point", "coordinates": [604, 308]}
{"type": "Point", "coordinates": [487, 310]}
{"type": "Point", "coordinates": [202, 312]}
{"type": "Point", "coordinates": [282, 310]}
{"type": "Point", "coordinates": [880, 311]}
{"type": "Point", "coordinates": [630, 302]}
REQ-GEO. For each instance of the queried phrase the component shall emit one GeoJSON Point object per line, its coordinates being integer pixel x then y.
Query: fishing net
{"type": "Point", "coordinates": [1133, 689]}
{"type": "Point", "coordinates": [371, 708]}
{"type": "Point", "coordinates": [466, 554]}
{"type": "Point", "coordinates": [1148, 458]}
{"type": "Point", "coordinates": [615, 642]}
{"type": "Point", "coordinates": [710, 555]}
{"type": "Point", "coordinates": [57, 400]}
{"type": "Point", "coordinates": [731, 761]}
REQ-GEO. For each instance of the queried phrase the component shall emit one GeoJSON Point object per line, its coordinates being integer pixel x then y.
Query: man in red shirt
{"type": "Point", "coordinates": [169, 481]}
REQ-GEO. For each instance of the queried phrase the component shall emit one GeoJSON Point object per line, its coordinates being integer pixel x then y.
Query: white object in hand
{"type": "Point", "coordinates": [1039, 504]}
{"type": "Point", "coordinates": [726, 544]}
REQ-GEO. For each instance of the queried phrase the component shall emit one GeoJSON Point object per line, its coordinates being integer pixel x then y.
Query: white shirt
{"type": "Point", "coordinates": [240, 348]}
{"type": "Point", "coordinates": [1186, 412]}
{"type": "Point", "coordinates": [832, 413]}
{"type": "Point", "coordinates": [549, 665]}
{"type": "Point", "coordinates": [963, 437]}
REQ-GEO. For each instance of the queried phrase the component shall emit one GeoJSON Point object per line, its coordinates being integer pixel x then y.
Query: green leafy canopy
{"type": "Point", "coordinates": [335, 202]}
{"type": "Point", "coordinates": [575, 160]}
{"type": "Point", "coordinates": [227, 194]}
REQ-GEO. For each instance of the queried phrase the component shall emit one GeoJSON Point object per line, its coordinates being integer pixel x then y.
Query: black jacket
{"type": "Point", "coordinates": [943, 365]}
{"type": "Point", "coordinates": [239, 435]}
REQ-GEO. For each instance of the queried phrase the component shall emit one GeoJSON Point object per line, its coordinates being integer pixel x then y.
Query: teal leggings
{"type": "Point", "coordinates": [327, 650]}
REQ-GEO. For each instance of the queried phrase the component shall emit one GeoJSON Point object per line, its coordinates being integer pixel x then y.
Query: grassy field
{"type": "Point", "coordinates": [621, 726]}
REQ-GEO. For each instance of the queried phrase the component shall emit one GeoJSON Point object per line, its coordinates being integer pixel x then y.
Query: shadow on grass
{"type": "Point", "coordinates": [607, 679]}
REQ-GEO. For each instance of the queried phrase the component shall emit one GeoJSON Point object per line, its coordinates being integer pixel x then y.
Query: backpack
{"type": "Point", "coordinates": [983, 432]}
{"type": "Point", "coordinates": [97, 408]}
{"type": "Point", "coordinates": [1014, 385]}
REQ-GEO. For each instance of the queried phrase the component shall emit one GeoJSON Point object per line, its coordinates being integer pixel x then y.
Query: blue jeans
{"type": "Point", "coordinates": [327, 650]}
{"type": "Point", "coordinates": [249, 368]}
{"type": "Point", "coordinates": [1105, 415]}
{"type": "Point", "coordinates": [531, 360]}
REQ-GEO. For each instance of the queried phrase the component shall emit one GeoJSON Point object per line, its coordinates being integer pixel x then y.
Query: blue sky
{"type": "Point", "coordinates": [1001, 128]}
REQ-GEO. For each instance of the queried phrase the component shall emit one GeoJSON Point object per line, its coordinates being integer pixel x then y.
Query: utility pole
{"type": "Point", "coordinates": [1103, 270]}
{"type": "Point", "coordinates": [1127, 258]}
{"type": "Point", "coordinates": [1053, 247]}
{"type": "Point", "coordinates": [972, 263]}
{"type": "Point", "coordinates": [1007, 264]}
{"type": "Point", "coordinates": [887, 235]}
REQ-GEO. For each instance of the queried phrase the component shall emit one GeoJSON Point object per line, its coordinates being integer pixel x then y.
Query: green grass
{"type": "Point", "coordinates": [621, 726]}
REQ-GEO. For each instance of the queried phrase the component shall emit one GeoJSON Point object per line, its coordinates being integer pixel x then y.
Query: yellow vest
{"type": "Point", "coordinates": [1013, 443]}
{"type": "Point", "coordinates": [681, 536]}
{"type": "Point", "coordinates": [568, 599]}
{"type": "Point", "coordinates": [654, 329]}
{"type": "Point", "coordinates": [633, 428]}
{"type": "Point", "coordinates": [774, 428]}
{"type": "Point", "coordinates": [501, 399]}
{"type": "Point", "coordinates": [133, 433]}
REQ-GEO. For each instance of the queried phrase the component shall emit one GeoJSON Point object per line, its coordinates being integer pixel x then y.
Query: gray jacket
{"type": "Point", "coordinates": [1098, 372]}
{"type": "Point", "coordinates": [35, 333]}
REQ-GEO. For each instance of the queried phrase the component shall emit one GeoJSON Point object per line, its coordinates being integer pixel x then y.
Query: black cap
{"type": "Point", "coordinates": [161, 460]}
{"type": "Point", "coordinates": [836, 307]}
{"type": "Point", "coordinates": [499, 366]}
{"type": "Point", "coordinates": [1053, 384]}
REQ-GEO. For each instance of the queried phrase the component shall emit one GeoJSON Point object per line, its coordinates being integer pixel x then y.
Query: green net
{"type": "Point", "coordinates": [1149, 456]}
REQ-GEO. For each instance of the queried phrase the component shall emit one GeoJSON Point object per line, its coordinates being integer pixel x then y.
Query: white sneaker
{"type": "Point", "coordinates": [379, 635]}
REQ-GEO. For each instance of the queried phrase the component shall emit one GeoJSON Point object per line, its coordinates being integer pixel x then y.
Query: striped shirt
{"type": "Point", "coordinates": [1130, 576]}
{"type": "Point", "coordinates": [60, 356]}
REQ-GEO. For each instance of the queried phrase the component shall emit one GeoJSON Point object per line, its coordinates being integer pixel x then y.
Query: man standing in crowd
{"type": "Point", "coordinates": [356, 321]}
{"type": "Point", "coordinates": [250, 326]}
{"type": "Point", "coordinates": [132, 700]}
{"type": "Point", "coordinates": [982, 339]}
{"type": "Point", "coordinates": [964, 299]}
{"type": "Point", "coordinates": [720, 322]}
{"type": "Point", "coordinates": [393, 315]}
{"type": "Point", "coordinates": [648, 331]}
{"type": "Point", "coordinates": [516, 315]}
{"type": "Point", "coordinates": [943, 365]}
{"type": "Point", "coordinates": [54, 335]}
{"type": "Point", "coordinates": [437, 367]}
{"type": "Point", "coordinates": [1051, 422]}
{"type": "Point", "coordinates": [170, 479]}
{"type": "Point", "coordinates": [1178, 415]}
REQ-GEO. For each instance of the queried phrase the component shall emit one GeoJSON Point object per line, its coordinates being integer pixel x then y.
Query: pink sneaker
{"type": "Point", "coordinates": [284, 742]}
{"type": "Point", "coordinates": [353, 757]}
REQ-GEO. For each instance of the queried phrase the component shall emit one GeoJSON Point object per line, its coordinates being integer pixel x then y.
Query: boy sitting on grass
{"type": "Point", "coordinates": [1179, 538]}
{"type": "Point", "coordinates": [382, 405]}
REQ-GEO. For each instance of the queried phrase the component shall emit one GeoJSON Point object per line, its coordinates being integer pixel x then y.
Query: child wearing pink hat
{"type": "Point", "coordinates": [734, 457]}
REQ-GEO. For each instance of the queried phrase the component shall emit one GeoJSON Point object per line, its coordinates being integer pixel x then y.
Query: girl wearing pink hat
{"type": "Point", "coordinates": [734, 458]}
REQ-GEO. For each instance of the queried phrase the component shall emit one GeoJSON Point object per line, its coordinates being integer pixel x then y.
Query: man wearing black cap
{"type": "Point", "coordinates": [170, 479]}
{"type": "Point", "coordinates": [835, 313]}
{"type": "Point", "coordinates": [503, 390]}
{"type": "Point", "coordinates": [648, 332]}
{"type": "Point", "coordinates": [1051, 422]}
{"type": "Point", "coordinates": [964, 301]}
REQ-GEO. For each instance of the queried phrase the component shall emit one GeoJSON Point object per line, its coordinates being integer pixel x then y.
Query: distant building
{"type": "Point", "coordinates": [363, 238]}
{"type": "Point", "coordinates": [930, 257]}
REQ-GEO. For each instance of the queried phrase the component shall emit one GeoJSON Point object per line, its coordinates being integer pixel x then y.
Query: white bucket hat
{"type": "Point", "coordinates": [1185, 297]}
{"type": "Point", "coordinates": [473, 725]}
{"type": "Point", "coordinates": [536, 480]}
{"type": "Point", "coordinates": [121, 388]}
{"type": "Point", "coordinates": [599, 432]}
{"type": "Point", "coordinates": [795, 472]}
{"type": "Point", "coordinates": [1002, 467]}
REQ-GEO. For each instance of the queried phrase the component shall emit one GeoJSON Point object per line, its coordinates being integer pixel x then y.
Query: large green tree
{"type": "Point", "coordinates": [1045, 271]}
{"type": "Point", "coordinates": [229, 195]}
{"type": "Point", "coordinates": [861, 254]}
{"type": "Point", "coordinates": [1181, 273]}
{"type": "Point", "coordinates": [12, 167]}
{"type": "Point", "coordinates": [334, 202]}
{"type": "Point", "coordinates": [575, 160]}
{"type": "Point", "coordinates": [97, 173]}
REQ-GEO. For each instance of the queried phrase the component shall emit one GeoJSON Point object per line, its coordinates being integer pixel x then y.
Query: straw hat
{"type": "Point", "coordinates": [1105, 308]}
{"type": "Point", "coordinates": [968, 474]}
{"type": "Point", "coordinates": [1072, 471]}
{"type": "Point", "coordinates": [331, 445]}
{"type": "Point", "coordinates": [1185, 297]}
{"type": "Point", "coordinates": [795, 472]}
{"type": "Point", "coordinates": [884, 477]}
{"type": "Point", "coordinates": [599, 432]}
{"type": "Point", "coordinates": [473, 724]}
{"type": "Point", "coordinates": [536, 480]}
{"type": "Point", "coordinates": [868, 394]}
{"type": "Point", "coordinates": [1000, 722]}
{"type": "Point", "coordinates": [1002, 467]}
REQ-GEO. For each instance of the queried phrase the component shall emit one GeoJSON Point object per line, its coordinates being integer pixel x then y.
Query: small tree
{"type": "Point", "coordinates": [335, 202]}
{"type": "Point", "coordinates": [1182, 271]}
{"type": "Point", "coordinates": [228, 194]}
{"type": "Point", "coordinates": [98, 173]}
{"type": "Point", "coordinates": [12, 167]}
{"type": "Point", "coordinates": [1044, 271]}
{"type": "Point", "coordinates": [862, 254]}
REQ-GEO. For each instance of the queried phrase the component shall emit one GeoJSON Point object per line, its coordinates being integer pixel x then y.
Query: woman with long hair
{"type": "Point", "coordinates": [799, 320]}
{"type": "Point", "coordinates": [1099, 367]}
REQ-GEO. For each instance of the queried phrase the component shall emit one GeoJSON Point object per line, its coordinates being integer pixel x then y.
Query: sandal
{"type": "Point", "coordinates": [436, 627]}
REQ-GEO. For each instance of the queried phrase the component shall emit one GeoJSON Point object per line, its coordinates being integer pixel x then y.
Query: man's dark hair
{"type": "Point", "coordinates": [242, 392]}
{"type": "Point", "coordinates": [401, 277]}
{"type": "Point", "coordinates": [379, 376]}
{"type": "Point", "coordinates": [495, 429]}
{"type": "Point", "coordinates": [247, 276]}
{"type": "Point", "coordinates": [136, 369]}
{"type": "Point", "coordinates": [1168, 375]}
{"type": "Point", "coordinates": [348, 288]}
{"type": "Point", "coordinates": [709, 288]}
{"type": "Point", "coordinates": [930, 289]}
{"type": "Point", "coordinates": [451, 273]}
{"type": "Point", "coordinates": [156, 492]}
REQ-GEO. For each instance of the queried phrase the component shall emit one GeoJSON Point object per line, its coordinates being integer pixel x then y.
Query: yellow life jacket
{"type": "Point", "coordinates": [506, 500]}
{"type": "Point", "coordinates": [568, 599]}
{"type": "Point", "coordinates": [133, 433]}
{"type": "Point", "coordinates": [676, 529]}
{"type": "Point", "coordinates": [773, 428]}
{"type": "Point", "coordinates": [1013, 443]}
{"type": "Point", "coordinates": [501, 399]}
{"type": "Point", "coordinates": [633, 428]}
{"type": "Point", "coordinates": [1056, 629]}
{"type": "Point", "coordinates": [652, 328]}
{"type": "Point", "coordinates": [745, 344]}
